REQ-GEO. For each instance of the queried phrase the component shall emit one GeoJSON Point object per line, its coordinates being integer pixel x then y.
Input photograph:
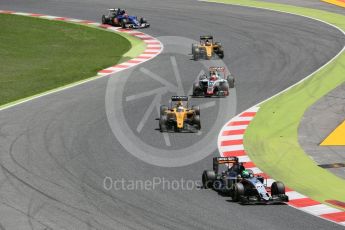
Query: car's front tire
{"type": "Point", "coordinates": [142, 20]}
{"type": "Point", "coordinates": [163, 123]}
{"type": "Point", "coordinates": [221, 54]}
{"type": "Point", "coordinates": [277, 188]}
{"type": "Point", "coordinates": [196, 122]}
{"type": "Point", "coordinates": [238, 192]}
{"type": "Point", "coordinates": [123, 23]}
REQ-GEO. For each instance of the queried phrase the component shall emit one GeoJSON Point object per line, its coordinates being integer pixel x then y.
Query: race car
{"type": "Point", "coordinates": [241, 184]}
{"type": "Point", "coordinates": [216, 83]}
{"type": "Point", "coordinates": [207, 48]}
{"type": "Point", "coordinates": [178, 117]}
{"type": "Point", "coordinates": [119, 17]}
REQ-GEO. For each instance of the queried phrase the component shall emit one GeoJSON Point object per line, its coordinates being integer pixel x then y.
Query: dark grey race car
{"type": "Point", "coordinates": [241, 184]}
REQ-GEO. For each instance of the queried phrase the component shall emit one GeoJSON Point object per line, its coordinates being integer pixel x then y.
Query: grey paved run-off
{"type": "Point", "coordinates": [317, 123]}
{"type": "Point", "coordinates": [314, 4]}
{"type": "Point", "coordinates": [56, 150]}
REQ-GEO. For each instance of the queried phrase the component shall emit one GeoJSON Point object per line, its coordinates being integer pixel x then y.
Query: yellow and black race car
{"type": "Point", "coordinates": [178, 117]}
{"type": "Point", "coordinates": [207, 48]}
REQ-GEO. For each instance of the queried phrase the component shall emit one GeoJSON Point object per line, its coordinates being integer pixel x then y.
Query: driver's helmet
{"type": "Point", "coordinates": [213, 76]}
{"type": "Point", "coordinates": [180, 109]}
{"type": "Point", "coordinates": [207, 42]}
{"type": "Point", "coordinates": [245, 174]}
{"type": "Point", "coordinates": [251, 174]}
{"type": "Point", "coordinates": [179, 104]}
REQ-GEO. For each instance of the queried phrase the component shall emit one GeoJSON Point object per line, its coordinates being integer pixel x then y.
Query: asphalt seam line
{"type": "Point", "coordinates": [153, 48]}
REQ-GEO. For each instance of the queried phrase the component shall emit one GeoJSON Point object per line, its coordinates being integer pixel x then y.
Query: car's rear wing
{"type": "Point", "coordinates": [206, 37]}
{"type": "Point", "coordinates": [179, 98]}
{"type": "Point", "coordinates": [215, 68]}
{"type": "Point", "coordinates": [223, 160]}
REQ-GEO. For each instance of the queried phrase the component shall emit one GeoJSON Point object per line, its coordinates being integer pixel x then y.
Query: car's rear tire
{"type": "Point", "coordinates": [231, 81]}
{"type": "Point", "coordinates": [104, 21]}
{"type": "Point", "coordinates": [196, 89]}
{"type": "Point", "coordinates": [196, 109]}
{"type": "Point", "coordinates": [163, 108]}
{"type": "Point", "coordinates": [238, 192]}
{"type": "Point", "coordinates": [208, 178]}
{"type": "Point", "coordinates": [277, 188]}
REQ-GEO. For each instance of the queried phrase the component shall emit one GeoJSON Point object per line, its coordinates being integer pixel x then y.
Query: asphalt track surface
{"type": "Point", "coordinates": [57, 150]}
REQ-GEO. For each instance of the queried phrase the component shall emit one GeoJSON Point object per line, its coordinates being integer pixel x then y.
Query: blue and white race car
{"type": "Point", "coordinates": [241, 184]}
{"type": "Point", "coordinates": [119, 17]}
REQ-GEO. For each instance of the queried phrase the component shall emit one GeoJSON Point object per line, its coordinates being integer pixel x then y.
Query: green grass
{"type": "Point", "coordinates": [271, 140]}
{"type": "Point", "coordinates": [38, 55]}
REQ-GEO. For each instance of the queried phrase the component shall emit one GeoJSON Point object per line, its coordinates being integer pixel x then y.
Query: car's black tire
{"type": "Point", "coordinates": [194, 46]}
{"type": "Point", "coordinates": [163, 123]}
{"type": "Point", "coordinates": [220, 53]}
{"type": "Point", "coordinates": [123, 23]}
{"type": "Point", "coordinates": [277, 188]}
{"type": "Point", "coordinates": [238, 192]}
{"type": "Point", "coordinates": [162, 109]}
{"type": "Point", "coordinates": [208, 178]}
{"type": "Point", "coordinates": [196, 109]}
{"type": "Point", "coordinates": [231, 81]}
{"type": "Point", "coordinates": [196, 54]}
{"type": "Point", "coordinates": [224, 86]}
{"type": "Point", "coordinates": [104, 21]}
{"type": "Point", "coordinates": [143, 20]}
{"type": "Point", "coordinates": [196, 89]}
{"type": "Point", "coordinates": [196, 122]}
